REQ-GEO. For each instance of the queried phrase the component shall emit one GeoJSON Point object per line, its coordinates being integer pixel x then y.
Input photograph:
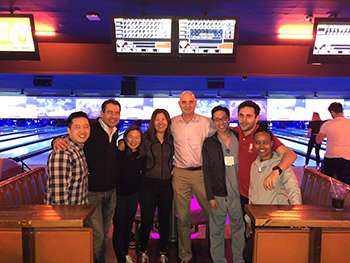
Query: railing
{"type": "Point", "coordinates": [26, 156]}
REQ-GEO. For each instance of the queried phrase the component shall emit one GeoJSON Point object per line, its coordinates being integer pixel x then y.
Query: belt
{"type": "Point", "coordinates": [193, 168]}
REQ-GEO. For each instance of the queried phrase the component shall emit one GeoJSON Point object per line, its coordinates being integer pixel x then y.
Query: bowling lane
{"type": "Point", "coordinates": [30, 132]}
{"type": "Point", "coordinates": [25, 149]}
{"type": "Point", "coordinates": [14, 130]}
{"type": "Point", "coordinates": [17, 142]}
{"type": "Point", "coordinates": [300, 161]}
{"type": "Point", "coordinates": [39, 160]}
{"type": "Point", "coordinates": [297, 147]}
{"type": "Point", "coordinates": [295, 134]}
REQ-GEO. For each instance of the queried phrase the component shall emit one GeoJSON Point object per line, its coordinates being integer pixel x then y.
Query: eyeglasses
{"type": "Point", "coordinates": [217, 120]}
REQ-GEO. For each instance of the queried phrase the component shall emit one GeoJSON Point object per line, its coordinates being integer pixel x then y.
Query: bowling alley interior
{"type": "Point", "coordinates": [291, 58]}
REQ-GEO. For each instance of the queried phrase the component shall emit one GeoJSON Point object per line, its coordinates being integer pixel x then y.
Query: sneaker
{"type": "Point", "coordinates": [132, 244]}
{"type": "Point", "coordinates": [163, 258]}
{"type": "Point", "coordinates": [144, 258]}
{"type": "Point", "coordinates": [128, 259]}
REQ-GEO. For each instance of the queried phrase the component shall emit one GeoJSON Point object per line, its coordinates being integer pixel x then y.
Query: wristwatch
{"type": "Point", "coordinates": [277, 168]}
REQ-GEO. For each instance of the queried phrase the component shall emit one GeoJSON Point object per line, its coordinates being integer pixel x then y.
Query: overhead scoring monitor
{"type": "Point", "coordinates": [142, 35]}
{"type": "Point", "coordinates": [207, 36]}
{"type": "Point", "coordinates": [17, 39]}
{"type": "Point", "coordinates": [331, 43]}
{"type": "Point", "coordinates": [332, 39]}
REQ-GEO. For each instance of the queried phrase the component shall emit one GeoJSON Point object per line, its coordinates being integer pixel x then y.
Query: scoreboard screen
{"type": "Point", "coordinates": [17, 39]}
{"type": "Point", "coordinates": [142, 35]}
{"type": "Point", "coordinates": [207, 36]}
{"type": "Point", "coordinates": [331, 41]}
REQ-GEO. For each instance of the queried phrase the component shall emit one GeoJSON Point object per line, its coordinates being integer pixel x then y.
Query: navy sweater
{"type": "Point", "coordinates": [132, 168]}
{"type": "Point", "coordinates": [100, 156]}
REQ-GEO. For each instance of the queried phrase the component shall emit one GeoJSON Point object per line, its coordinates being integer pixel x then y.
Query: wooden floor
{"type": "Point", "coordinates": [200, 249]}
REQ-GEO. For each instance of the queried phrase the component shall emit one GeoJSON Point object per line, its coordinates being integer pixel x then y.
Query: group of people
{"type": "Point", "coordinates": [223, 167]}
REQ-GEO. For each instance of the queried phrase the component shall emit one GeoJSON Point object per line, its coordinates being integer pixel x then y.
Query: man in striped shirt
{"type": "Point", "coordinates": [67, 182]}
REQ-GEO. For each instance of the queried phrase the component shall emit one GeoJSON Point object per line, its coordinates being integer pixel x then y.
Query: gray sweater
{"type": "Point", "coordinates": [286, 191]}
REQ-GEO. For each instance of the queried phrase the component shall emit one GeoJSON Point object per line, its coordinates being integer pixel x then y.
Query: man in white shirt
{"type": "Point", "coordinates": [189, 131]}
{"type": "Point", "coordinates": [337, 158]}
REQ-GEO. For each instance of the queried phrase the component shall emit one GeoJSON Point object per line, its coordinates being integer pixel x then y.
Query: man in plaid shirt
{"type": "Point", "coordinates": [67, 182]}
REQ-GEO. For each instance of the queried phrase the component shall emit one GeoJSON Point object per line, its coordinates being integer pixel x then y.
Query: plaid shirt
{"type": "Point", "coordinates": [67, 182]}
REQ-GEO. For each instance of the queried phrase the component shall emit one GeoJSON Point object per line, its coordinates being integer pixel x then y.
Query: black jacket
{"type": "Point", "coordinates": [159, 157]}
{"type": "Point", "coordinates": [214, 167]}
{"type": "Point", "coordinates": [100, 156]}
{"type": "Point", "coordinates": [132, 167]}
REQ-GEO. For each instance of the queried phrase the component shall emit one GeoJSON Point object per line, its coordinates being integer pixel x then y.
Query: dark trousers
{"type": "Point", "coordinates": [244, 201]}
{"type": "Point", "coordinates": [338, 168]}
{"type": "Point", "coordinates": [248, 249]}
{"type": "Point", "coordinates": [310, 145]}
{"type": "Point", "coordinates": [122, 222]}
{"type": "Point", "coordinates": [155, 193]}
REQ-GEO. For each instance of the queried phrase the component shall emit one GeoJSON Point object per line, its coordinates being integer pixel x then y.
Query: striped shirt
{"type": "Point", "coordinates": [67, 182]}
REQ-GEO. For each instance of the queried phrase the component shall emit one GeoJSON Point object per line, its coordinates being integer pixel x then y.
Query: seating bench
{"type": "Point", "coordinates": [24, 189]}
{"type": "Point", "coordinates": [316, 189]}
{"type": "Point", "coordinates": [8, 168]}
{"type": "Point", "coordinates": [17, 195]}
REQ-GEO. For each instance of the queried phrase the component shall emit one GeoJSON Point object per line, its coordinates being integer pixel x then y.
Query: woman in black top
{"type": "Point", "coordinates": [313, 130]}
{"type": "Point", "coordinates": [132, 164]}
{"type": "Point", "coordinates": [156, 189]}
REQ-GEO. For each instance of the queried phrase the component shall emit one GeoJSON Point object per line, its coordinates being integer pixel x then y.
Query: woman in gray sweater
{"type": "Point", "coordinates": [156, 189]}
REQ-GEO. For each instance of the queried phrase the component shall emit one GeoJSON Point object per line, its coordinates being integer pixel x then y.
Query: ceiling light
{"type": "Point", "coordinates": [93, 16]}
{"type": "Point", "coordinates": [45, 33]}
{"type": "Point", "coordinates": [291, 31]}
{"type": "Point", "coordinates": [44, 30]}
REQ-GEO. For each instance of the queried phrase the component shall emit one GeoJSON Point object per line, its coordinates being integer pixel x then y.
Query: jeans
{"type": "Point", "coordinates": [122, 224]}
{"type": "Point", "coordinates": [310, 145]}
{"type": "Point", "coordinates": [100, 221]}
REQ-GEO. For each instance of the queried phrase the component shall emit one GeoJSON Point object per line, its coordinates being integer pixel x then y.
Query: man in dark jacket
{"type": "Point", "coordinates": [220, 163]}
{"type": "Point", "coordinates": [100, 151]}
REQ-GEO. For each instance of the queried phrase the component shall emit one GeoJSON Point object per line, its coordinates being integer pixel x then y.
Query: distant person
{"type": "Point", "coordinates": [121, 145]}
{"type": "Point", "coordinates": [313, 130]}
{"type": "Point", "coordinates": [189, 131]}
{"type": "Point", "coordinates": [286, 190]}
{"type": "Point", "coordinates": [100, 150]}
{"type": "Point", "coordinates": [67, 182]}
{"type": "Point", "coordinates": [132, 165]}
{"type": "Point", "coordinates": [248, 117]}
{"type": "Point", "coordinates": [336, 162]}
{"type": "Point", "coordinates": [220, 166]}
{"type": "Point", "coordinates": [156, 190]}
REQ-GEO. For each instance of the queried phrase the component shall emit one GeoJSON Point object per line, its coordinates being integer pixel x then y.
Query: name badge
{"type": "Point", "coordinates": [229, 160]}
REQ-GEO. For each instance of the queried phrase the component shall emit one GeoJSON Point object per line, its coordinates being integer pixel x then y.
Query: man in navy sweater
{"type": "Point", "coordinates": [100, 150]}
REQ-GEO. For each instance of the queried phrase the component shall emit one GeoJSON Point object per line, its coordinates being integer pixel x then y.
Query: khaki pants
{"type": "Point", "coordinates": [185, 184]}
